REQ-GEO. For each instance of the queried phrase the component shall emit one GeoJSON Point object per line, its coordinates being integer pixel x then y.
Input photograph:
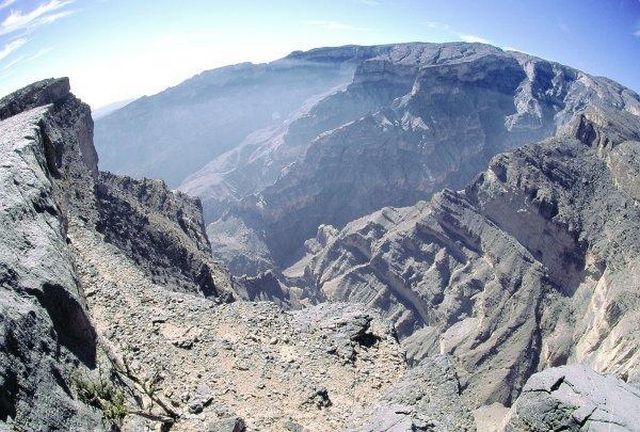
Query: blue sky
{"type": "Point", "coordinates": [119, 49]}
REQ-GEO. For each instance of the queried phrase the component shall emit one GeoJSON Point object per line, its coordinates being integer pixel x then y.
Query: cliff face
{"type": "Point", "coordinates": [163, 232]}
{"type": "Point", "coordinates": [113, 314]}
{"type": "Point", "coordinates": [46, 334]}
{"type": "Point", "coordinates": [532, 265]}
{"type": "Point", "coordinates": [104, 325]}
{"type": "Point", "coordinates": [416, 118]}
{"type": "Point", "coordinates": [51, 190]}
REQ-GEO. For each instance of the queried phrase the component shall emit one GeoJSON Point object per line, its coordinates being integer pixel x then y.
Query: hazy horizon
{"type": "Point", "coordinates": [114, 50]}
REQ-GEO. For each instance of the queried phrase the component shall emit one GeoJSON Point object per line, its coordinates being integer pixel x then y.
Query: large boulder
{"type": "Point", "coordinates": [574, 398]}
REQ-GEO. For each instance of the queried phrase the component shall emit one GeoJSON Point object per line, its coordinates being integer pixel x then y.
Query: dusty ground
{"type": "Point", "coordinates": [313, 370]}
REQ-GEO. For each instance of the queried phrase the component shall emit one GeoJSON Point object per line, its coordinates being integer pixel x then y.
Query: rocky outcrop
{"type": "Point", "coordinates": [432, 315]}
{"type": "Point", "coordinates": [50, 191]}
{"type": "Point", "coordinates": [531, 266]}
{"type": "Point", "coordinates": [45, 332]}
{"type": "Point", "coordinates": [575, 398]}
{"type": "Point", "coordinates": [160, 231]}
{"type": "Point", "coordinates": [427, 398]}
{"type": "Point", "coordinates": [104, 324]}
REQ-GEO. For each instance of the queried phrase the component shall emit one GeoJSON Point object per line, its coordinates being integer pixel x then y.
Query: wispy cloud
{"type": "Point", "coordinates": [473, 38]}
{"type": "Point", "coordinates": [334, 25]}
{"type": "Point", "coordinates": [436, 25]}
{"type": "Point", "coordinates": [636, 33]}
{"type": "Point", "coordinates": [45, 13]}
{"type": "Point", "coordinates": [26, 59]}
{"type": "Point", "coordinates": [466, 37]}
{"type": "Point", "coordinates": [11, 47]}
{"type": "Point", "coordinates": [564, 27]}
{"type": "Point", "coordinates": [6, 3]}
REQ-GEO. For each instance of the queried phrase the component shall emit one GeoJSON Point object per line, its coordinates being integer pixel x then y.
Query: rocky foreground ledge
{"type": "Point", "coordinates": [114, 316]}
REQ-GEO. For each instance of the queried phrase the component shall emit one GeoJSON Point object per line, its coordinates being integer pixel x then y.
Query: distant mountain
{"type": "Point", "coordinates": [173, 134]}
{"type": "Point", "coordinates": [108, 109]}
{"type": "Point", "coordinates": [329, 135]}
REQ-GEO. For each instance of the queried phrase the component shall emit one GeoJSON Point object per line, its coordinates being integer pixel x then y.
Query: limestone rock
{"type": "Point", "coordinates": [533, 265]}
{"type": "Point", "coordinates": [50, 192]}
{"type": "Point", "coordinates": [428, 398]}
{"type": "Point", "coordinates": [45, 332]}
{"type": "Point", "coordinates": [161, 231]}
{"type": "Point", "coordinates": [575, 398]}
{"type": "Point", "coordinates": [415, 119]}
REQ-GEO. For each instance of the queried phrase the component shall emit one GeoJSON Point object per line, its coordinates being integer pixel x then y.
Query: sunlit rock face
{"type": "Point", "coordinates": [52, 193]}
{"type": "Point", "coordinates": [534, 264]}
{"type": "Point", "coordinates": [413, 119]}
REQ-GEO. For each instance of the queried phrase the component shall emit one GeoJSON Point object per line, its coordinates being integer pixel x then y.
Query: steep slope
{"type": "Point", "coordinates": [49, 183]}
{"type": "Point", "coordinates": [106, 324]}
{"type": "Point", "coordinates": [441, 112]}
{"type": "Point", "coordinates": [45, 332]}
{"type": "Point", "coordinates": [533, 265]}
{"type": "Point", "coordinates": [259, 160]}
{"type": "Point", "coordinates": [104, 320]}
{"type": "Point", "coordinates": [173, 134]}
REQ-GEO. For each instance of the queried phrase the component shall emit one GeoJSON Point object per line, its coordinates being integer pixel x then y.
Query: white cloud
{"type": "Point", "coordinates": [11, 47]}
{"type": "Point", "coordinates": [43, 14]}
{"type": "Point", "coordinates": [56, 16]}
{"type": "Point", "coordinates": [636, 33]}
{"type": "Point", "coordinates": [436, 25]}
{"type": "Point", "coordinates": [473, 38]}
{"type": "Point", "coordinates": [466, 37]}
{"type": "Point", "coordinates": [6, 3]}
{"type": "Point", "coordinates": [333, 25]}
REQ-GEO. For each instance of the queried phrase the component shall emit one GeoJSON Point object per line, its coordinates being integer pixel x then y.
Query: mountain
{"type": "Point", "coordinates": [174, 133]}
{"type": "Point", "coordinates": [108, 109]}
{"type": "Point", "coordinates": [530, 266]}
{"type": "Point", "coordinates": [54, 200]}
{"type": "Point", "coordinates": [504, 299]}
{"type": "Point", "coordinates": [415, 118]}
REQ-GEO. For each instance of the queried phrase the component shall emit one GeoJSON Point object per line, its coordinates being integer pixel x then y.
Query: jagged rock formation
{"type": "Point", "coordinates": [574, 398]}
{"type": "Point", "coordinates": [309, 370]}
{"type": "Point", "coordinates": [113, 313]}
{"type": "Point", "coordinates": [48, 189]}
{"type": "Point", "coordinates": [414, 119]}
{"type": "Point", "coordinates": [45, 332]}
{"type": "Point", "coordinates": [533, 265]}
{"type": "Point", "coordinates": [102, 330]}
{"type": "Point", "coordinates": [160, 230]}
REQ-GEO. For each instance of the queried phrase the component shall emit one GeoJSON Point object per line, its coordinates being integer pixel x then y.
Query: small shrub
{"type": "Point", "coordinates": [102, 395]}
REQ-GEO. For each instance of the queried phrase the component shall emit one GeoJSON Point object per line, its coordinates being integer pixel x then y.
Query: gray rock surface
{"type": "Point", "coordinates": [50, 189]}
{"type": "Point", "coordinates": [104, 321]}
{"type": "Point", "coordinates": [533, 265]}
{"type": "Point", "coordinates": [161, 231]}
{"type": "Point", "coordinates": [575, 398]}
{"type": "Point", "coordinates": [415, 119]}
{"type": "Point", "coordinates": [428, 398]}
{"type": "Point", "coordinates": [45, 333]}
